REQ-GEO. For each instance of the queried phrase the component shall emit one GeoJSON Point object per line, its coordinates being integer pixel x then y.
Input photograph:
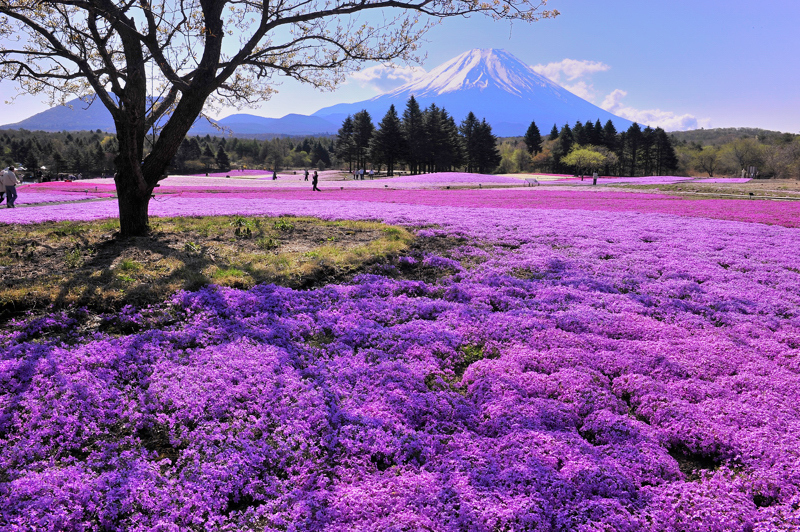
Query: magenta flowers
{"type": "Point", "coordinates": [609, 365]}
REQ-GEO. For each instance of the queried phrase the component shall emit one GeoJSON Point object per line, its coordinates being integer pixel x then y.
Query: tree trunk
{"type": "Point", "coordinates": [133, 218]}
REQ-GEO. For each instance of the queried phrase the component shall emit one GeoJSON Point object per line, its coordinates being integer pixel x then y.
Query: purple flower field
{"type": "Point", "coordinates": [619, 368]}
{"type": "Point", "coordinates": [29, 198]}
{"type": "Point", "coordinates": [649, 180]}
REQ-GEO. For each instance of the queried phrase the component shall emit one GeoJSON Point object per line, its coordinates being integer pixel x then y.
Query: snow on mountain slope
{"type": "Point", "coordinates": [480, 69]}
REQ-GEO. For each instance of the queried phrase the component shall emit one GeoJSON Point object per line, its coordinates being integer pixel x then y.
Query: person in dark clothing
{"type": "Point", "coordinates": [314, 181]}
{"type": "Point", "coordinates": [306, 172]}
{"type": "Point", "coordinates": [274, 175]}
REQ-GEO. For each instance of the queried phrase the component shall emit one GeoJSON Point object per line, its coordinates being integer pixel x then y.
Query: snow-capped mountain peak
{"type": "Point", "coordinates": [478, 69]}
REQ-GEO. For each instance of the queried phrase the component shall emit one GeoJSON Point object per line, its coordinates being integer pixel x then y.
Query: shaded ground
{"type": "Point", "coordinates": [64, 264]}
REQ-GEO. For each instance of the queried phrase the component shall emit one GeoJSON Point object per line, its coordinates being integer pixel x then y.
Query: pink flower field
{"type": "Point", "coordinates": [580, 361]}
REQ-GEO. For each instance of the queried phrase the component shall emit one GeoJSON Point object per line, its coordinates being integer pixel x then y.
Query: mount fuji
{"type": "Point", "coordinates": [494, 85]}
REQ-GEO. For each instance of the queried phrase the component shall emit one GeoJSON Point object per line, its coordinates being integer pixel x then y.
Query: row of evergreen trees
{"type": "Point", "coordinates": [92, 153]}
{"type": "Point", "coordinates": [635, 152]}
{"type": "Point", "coordinates": [198, 154]}
{"type": "Point", "coordinates": [86, 152]}
{"type": "Point", "coordinates": [423, 140]}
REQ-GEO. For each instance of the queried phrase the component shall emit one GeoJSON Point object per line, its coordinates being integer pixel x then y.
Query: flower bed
{"type": "Point", "coordinates": [569, 369]}
{"type": "Point", "coordinates": [255, 201]}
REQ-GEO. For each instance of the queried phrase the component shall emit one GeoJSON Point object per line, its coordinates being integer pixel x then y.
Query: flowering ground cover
{"type": "Point", "coordinates": [647, 180]}
{"type": "Point", "coordinates": [554, 368]}
{"type": "Point", "coordinates": [28, 197]}
{"type": "Point", "coordinates": [236, 172]}
{"type": "Point", "coordinates": [447, 178]}
{"type": "Point", "coordinates": [330, 202]}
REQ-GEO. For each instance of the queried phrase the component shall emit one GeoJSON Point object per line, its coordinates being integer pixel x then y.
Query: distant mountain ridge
{"type": "Point", "coordinates": [96, 116]}
{"type": "Point", "coordinates": [491, 83]}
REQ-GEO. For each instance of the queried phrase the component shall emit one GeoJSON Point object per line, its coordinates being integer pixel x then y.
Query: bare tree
{"type": "Point", "coordinates": [159, 65]}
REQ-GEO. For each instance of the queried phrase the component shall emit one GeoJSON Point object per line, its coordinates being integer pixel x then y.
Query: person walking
{"type": "Point", "coordinates": [9, 181]}
{"type": "Point", "coordinates": [306, 172]}
{"type": "Point", "coordinates": [274, 175]}
{"type": "Point", "coordinates": [314, 181]}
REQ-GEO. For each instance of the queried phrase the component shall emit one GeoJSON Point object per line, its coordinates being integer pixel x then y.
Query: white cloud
{"type": "Point", "coordinates": [570, 69]}
{"type": "Point", "coordinates": [387, 77]}
{"type": "Point", "coordinates": [582, 90]}
{"type": "Point", "coordinates": [612, 101]}
{"type": "Point", "coordinates": [651, 117]}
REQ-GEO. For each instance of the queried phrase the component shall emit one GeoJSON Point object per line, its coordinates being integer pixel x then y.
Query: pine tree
{"type": "Point", "coordinates": [469, 132]}
{"type": "Point", "coordinates": [98, 158]}
{"type": "Point", "coordinates": [610, 136]}
{"type": "Point", "coordinates": [533, 139]}
{"type": "Point", "coordinates": [579, 134]}
{"type": "Point", "coordinates": [223, 161]}
{"type": "Point", "coordinates": [432, 121]}
{"type": "Point", "coordinates": [263, 153]}
{"type": "Point", "coordinates": [31, 162]}
{"type": "Point", "coordinates": [633, 141]}
{"type": "Point", "coordinates": [362, 133]}
{"type": "Point", "coordinates": [388, 145]}
{"type": "Point", "coordinates": [666, 159]}
{"type": "Point", "coordinates": [414, 135]}
{"type": "Point", "coordinates": [647, 152]}
{"type": "Point", "coordinates": [454, 155]}
{"type": "Point", "coordinates": [588, 130]}
{"type": "Point", "coordinates": [597, 138]}
{"type": "Point", "coordinates": [553, 133]}
{"type": "Point", "coordinates": [345, 143]}
{"type": "Point", "coordinates": [488, 156]}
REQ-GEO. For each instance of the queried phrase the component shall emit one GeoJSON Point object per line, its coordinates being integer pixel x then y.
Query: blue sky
{"type": "Point", "coordinates": [680, 64]}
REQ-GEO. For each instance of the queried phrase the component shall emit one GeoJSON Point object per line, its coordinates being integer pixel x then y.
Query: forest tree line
{"type": "Point", "coordinates": [430, 140]}
{"type": "Point", "coordinates": [92, 153]}
{"type": "Point", "coordinates": [729, 151]}
{"type": "Point", "coordinates": [590, 147]}
{"type": "Point", "coordinates": [420, 141]}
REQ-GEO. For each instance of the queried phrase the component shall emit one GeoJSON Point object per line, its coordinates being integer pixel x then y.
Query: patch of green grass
{"type": "Point", "coordinates": [128, 265]}
{"type": "Point", "coordinates": [73, 258]}
{"type": "Point", "coordinates": [267, 243]}
{"type": "Point", "coordinates": [68, 229]}
{"type": "Point", "coordinates": [282, 224]}
{"type": "Point", "coordinates": [243, 227]}
{"type": "Point", "coordinates": [394, 233]}
{"type": "Point", "coordinates": [109, 225]}
{"type": "Point", "coordinates": [83, 263]}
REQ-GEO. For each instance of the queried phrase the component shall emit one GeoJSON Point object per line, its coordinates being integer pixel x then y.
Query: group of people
{"type": "Point", "coordinates": [8, 186]}
{"type": "Point", "coordinates": [359, 174]}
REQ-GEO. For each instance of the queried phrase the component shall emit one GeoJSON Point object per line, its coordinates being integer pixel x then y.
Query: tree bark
{"type": "Point", "coordinates": [133, 212]}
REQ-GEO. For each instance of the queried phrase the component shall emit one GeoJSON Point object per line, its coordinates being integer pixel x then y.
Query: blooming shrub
{"type": "Point", "coordinates": [569, 369]}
